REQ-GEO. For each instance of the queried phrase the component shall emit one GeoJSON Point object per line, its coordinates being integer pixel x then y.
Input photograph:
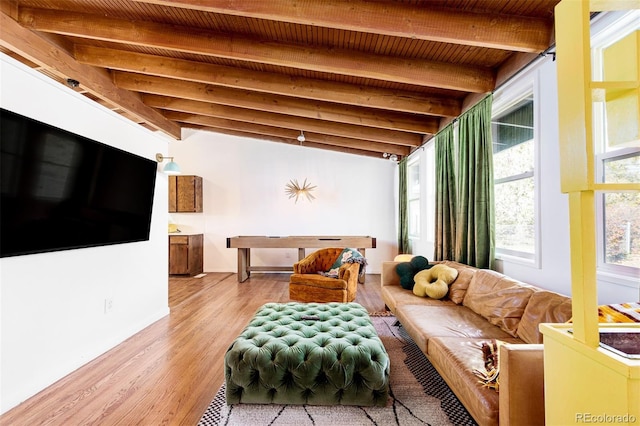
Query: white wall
{"type": "Point", "coordinates": [52, 304]}
{"type": "Point", "coordinates": [244, 194]}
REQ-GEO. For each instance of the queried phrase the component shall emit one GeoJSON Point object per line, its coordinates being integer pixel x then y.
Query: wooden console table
{"type": "Point", "coordinates": [244, 244]}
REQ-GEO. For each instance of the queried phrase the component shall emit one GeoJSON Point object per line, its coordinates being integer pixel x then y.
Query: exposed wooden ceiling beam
{"type": "Point", "coordinates": [260, 129]}
{"type": "Point", "coordinates": [325, 139]}
{"type": "Point", "coordinates": [279, 84]}
{"type": "Point", "coordinates": [354, 151]}
{"type": "Point", "coordinates": [286, 121]}
{"type": "Point", "coordinates": [506, 32]}
{"type": "Point", "coordinates": [275, 103]}
{"type": "Point", "coordinates": [358, 64]}
{"type": "Point", "coordinates": [95, 81]}
{"type": "Point", "coordinates": [512, 65]}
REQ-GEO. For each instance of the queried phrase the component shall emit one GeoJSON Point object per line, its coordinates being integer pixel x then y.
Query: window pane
{"type": "Point", "coordinates": [515, 160]}
{"type": "Point", "coordinates": [622, 228]}
{"type": "Point", "coordinates": [514, 179]}
{"type": "Point", "coordinates": [413, 174]}
{"type": "Point", "coordinates": [512, 134]}
{"type": "Point", "coordinates": [414, 217]}
{"type": "Point", "coordinates": [514, 215]}
{"type": "Point", "coordinates": [622, 169]}
{"type": "Point", "coordinates": [513, 127]}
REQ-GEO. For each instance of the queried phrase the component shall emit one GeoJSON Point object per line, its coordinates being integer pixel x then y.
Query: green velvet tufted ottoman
{"type": "Point", "coordinates": [308, 353]}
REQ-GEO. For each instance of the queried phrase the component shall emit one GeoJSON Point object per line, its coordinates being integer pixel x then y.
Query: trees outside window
{"type": "Point", "coordinates": [514, 178]}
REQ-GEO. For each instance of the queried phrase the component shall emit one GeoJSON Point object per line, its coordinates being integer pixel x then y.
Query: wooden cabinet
{"type": "Point", "coordinates": [185, 254]}
{"type": "Point", "coordinates": [185, 194]}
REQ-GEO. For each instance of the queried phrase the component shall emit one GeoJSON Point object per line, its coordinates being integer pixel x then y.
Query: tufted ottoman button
{"type": "Point", "coordinates": [308, 353]}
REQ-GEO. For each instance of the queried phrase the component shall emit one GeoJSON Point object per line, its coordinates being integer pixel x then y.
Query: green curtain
{"type": "Point", "coordinates": [475, 239]}
{"type": "Point", "coordinates": [403, 221]}
{"type": "Point", "coordinates": [445, 195]}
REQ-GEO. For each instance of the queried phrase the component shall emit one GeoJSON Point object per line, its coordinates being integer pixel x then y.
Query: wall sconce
{"type": "Point", "coordinates": [294, 189]}
{"type": "Point", "coordinates": [301, 137]}
{"type": "Point", "coordinates": [391, 157]}
{"type": "Point", "coordinates": [171, 168]}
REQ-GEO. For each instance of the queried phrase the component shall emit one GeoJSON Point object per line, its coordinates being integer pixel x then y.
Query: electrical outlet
{"type": "Point", "coordinates": [108, 305]}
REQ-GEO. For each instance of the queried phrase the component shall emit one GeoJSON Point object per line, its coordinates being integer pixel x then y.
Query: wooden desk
{"type": "Point", "coordinates": [244, 244]}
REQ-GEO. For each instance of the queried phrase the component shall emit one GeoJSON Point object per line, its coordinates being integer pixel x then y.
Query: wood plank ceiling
{"type": "Point", "coordinates": [366, 77]}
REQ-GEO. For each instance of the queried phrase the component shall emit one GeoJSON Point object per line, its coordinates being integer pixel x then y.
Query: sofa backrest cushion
{"type": "Point", "coordinates": [388, 275]}
{"type": "Point", "coordinates": [458, 288]}
{"type": "Point", "coordinates": [499, 299]}
{"type": "Point", "coordinates": [543, 306]}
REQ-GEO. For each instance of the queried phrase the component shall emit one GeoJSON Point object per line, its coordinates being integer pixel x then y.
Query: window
{"type": "Point", "coordinates": [514, 154]}
{"type": "Point", "coordinates": [413, 198]}
{"type": "Point", "coordinates": [430, 183]}
{"type": "Point", "coordinates": [617, 146]}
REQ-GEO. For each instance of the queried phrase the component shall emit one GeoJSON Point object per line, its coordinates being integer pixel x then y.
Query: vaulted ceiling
{"type": "Point", "coordinates": [366, 77]}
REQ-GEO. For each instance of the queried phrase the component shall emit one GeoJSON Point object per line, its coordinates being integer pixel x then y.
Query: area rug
{"type": "Point", "coordinates": [418, 396]}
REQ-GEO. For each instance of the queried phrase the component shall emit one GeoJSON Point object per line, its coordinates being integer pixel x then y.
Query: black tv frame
{"type": "Point", "coordinates": [63, 191]}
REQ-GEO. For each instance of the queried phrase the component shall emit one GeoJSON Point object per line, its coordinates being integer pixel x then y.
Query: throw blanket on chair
{"type": "Point", "coordinates": [347, 255]}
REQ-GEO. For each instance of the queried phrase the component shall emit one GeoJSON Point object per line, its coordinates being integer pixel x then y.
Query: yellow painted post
{"type": "Point", "coordinates": [574, 100]}
{"type": "Point", "coordinates": [577, 160]}
{"type": "Point", "coordinates": [583, 267]}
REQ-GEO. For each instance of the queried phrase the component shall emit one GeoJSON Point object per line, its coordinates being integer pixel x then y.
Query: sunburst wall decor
{"type": "Point", "coordinates": [295, 190]}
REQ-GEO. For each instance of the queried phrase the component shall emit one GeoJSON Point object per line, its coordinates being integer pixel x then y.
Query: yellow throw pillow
{"type": "Point", "coordinates": [434, 282]}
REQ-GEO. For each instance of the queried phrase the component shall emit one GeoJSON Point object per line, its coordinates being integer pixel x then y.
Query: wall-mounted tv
{"type": "Point", "coordinates": [62, 191]}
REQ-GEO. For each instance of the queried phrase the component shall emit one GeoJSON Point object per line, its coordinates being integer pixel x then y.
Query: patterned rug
{"type": "Point", "coordinates": [418, 396]}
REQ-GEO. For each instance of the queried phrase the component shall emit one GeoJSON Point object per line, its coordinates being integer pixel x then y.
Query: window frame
{"type": "Point", "coordinates": [504, 99]}
{"type": "Point", "coordinates": [611, 28]}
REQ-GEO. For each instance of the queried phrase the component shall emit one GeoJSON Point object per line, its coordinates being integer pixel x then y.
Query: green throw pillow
{"type": "Point", "coordinates": [407, 270]}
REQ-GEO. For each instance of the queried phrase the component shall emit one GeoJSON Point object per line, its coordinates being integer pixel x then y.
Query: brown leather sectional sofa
{"type": "Point", "coordinates": [482, 305]}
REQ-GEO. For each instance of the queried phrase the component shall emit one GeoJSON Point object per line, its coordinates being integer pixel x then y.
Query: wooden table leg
{"type": "Point", "coordinates": [300, 253]}
{"type": "Point", "coordinates": [244, 261]}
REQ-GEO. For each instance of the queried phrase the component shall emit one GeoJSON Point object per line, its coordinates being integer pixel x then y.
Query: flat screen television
{"type": "Point", "coordinates": [62, 191]}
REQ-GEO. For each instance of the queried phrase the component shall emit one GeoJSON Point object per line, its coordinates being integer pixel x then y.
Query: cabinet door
{"type": "Point", "coordinates": [185, 194]}
{"type": "Point", "coordinates": [173, 196]}
{"type": "Point", "coordinates": [196, 254]}
{"type": "Point", "coordinates": [178, 256]}
{"type": "Point", "coordinates": [189, 194]}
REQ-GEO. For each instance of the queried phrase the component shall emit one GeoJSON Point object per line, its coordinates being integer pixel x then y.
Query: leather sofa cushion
{"type": "Point", "coordinates": [543, 306]}
{"type": "Point", "coordinates": [455, 359]}
{"type": "Point", "coordinates": [498, 298]}
{"type": "Point", "coordinates": [459, 287]}
{"type": "Point", "coordinates": [424, 322]}
{"type": "Point", "coordinates": [394, 296]}
{"type": "Point", "coordinates": [388, 275]}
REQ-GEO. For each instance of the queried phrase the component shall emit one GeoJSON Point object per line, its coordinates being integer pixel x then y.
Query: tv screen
{"type": "Point", "coordinates": [62, 191]}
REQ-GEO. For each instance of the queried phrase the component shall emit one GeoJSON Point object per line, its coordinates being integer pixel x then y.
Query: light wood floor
{"type": "Point", "coordinates": [168, 373]}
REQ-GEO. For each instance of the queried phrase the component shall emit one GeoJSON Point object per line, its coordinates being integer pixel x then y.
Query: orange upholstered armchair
{"type": "Point", "coordinates": [307, 285]}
